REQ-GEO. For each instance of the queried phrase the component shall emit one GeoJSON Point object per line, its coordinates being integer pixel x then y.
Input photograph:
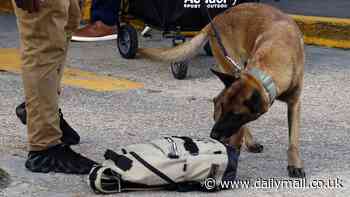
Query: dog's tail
{"type": "Point", "coordinates": [181, 52]}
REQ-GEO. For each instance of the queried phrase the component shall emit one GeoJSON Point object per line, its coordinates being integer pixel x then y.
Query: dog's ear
{"type": "Point", "coordinates": [227, 79]}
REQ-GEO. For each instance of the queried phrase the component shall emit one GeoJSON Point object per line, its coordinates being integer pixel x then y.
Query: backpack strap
{"type": "Point", "coordinates": [172, 183]}
{"type": "Point", "coordinates": [180, 187]}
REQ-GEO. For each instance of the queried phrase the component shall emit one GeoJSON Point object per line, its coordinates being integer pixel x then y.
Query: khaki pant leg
{"type": "Point", "coordinates": [72, 25]}
{"type": "Point", "coordinates": [74, 17]}
{"type": "Point", "coordinates": [43, 45]}
{"type": "Point", "coordinates": [61, 69]}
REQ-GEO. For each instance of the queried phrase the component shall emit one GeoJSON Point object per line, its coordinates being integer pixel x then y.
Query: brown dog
{"type": "Point", "coordinates": [270, 45]}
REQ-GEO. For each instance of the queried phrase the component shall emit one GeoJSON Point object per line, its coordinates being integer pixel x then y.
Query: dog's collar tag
{"type": "Point", "coordinates": [267, 82]}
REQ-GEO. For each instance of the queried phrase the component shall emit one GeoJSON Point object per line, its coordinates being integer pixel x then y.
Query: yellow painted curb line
{"type": "Point", "coordinates": [6, 6]}
{"type": "Point", "coordinates": [324, 31]}
{"type": "Point", "coordinates": [320, 19]}
{"type": "Point", "coordinates": [344, 44]}
{"type": "Point", "coordinates": [85, 11]}
{"type": "Point", "coordinates": [10, 62]}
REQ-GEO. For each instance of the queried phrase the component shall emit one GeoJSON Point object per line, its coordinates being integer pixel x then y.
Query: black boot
{"type": "Point", "coordinates": [60, 158]}
{"type": "Point", "coordinates": [69, 135]}
{"type": "Point", "coordinates": [22, 113]}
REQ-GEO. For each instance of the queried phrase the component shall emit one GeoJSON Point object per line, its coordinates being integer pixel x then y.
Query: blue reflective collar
{"type": "Point", "coordinates": [266, 81]}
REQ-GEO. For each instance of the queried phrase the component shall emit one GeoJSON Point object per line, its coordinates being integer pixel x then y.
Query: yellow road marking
{"type": "Point", "coordinates": [320, 19]}
{"type": "Point", "coordinates": [345, 44]}
{"type": "Point", "coordinates": [10, 61]}
{"type": "Point", "coordinates": [6, 6]}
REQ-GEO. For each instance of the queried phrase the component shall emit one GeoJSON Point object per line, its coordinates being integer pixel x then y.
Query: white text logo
{"type": "Point", "coordinates": [208, 3]}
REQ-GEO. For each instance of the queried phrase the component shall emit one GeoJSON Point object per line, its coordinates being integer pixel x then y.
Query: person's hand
{"type": "Point", "coordinates": [29, 5]}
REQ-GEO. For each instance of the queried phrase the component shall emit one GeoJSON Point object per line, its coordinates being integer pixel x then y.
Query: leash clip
{"type": "Point", "coordinates": [238, 67]}
{"type": "Point", "coordinates": [237, 74]}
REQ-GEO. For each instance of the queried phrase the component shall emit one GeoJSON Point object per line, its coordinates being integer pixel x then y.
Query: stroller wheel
{"type": "Point", "coordinates": [179, 69]}
{"type": "Point", "coordinates": [207, 49]}
{"type": "Point", "coordinates": [127, 41]}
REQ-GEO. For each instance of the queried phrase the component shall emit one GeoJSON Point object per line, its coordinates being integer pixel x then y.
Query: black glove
{"type": "Point", "coordinates": [29, 5]}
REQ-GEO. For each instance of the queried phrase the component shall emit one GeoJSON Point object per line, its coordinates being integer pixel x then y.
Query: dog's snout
{"type": "Point", "coordinates": [215, 132]}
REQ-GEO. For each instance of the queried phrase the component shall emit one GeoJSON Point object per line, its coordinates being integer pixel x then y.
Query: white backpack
{"type": "Point", "coordinates": [172, 163]}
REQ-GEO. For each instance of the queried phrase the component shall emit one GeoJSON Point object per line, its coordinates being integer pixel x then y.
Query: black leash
{"type": "Point", "coordinates": [167, 179]}
{"type": "Point", "coordinates": [216, 32]}
{"type": "Point", "coordinates": [218, 38]}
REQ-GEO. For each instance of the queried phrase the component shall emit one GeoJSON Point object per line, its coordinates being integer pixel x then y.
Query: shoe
{"type": "Point", "coordinates": [97, 31]}
{"type": "Point", "coordinates": [22, 113]}
{"type": "Point", "coordinates": [69, 135]}
{"type": "Point", "coordinates": [61, 159]}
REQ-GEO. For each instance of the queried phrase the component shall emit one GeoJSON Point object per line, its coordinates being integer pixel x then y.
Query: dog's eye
{"type": "Point", "coordinates": [254, 103]}
{"type": "Point", "coordinates": [251, 106]}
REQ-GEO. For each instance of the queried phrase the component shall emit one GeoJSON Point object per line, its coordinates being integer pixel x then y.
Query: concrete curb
{"type": "Point", "coordinates": [322, 31]}
{"type": "Point", "coordinates": [325, 31]}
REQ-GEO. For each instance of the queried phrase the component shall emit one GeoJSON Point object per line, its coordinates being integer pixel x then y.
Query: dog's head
{"type": "Point", "coordinates": [242, 100]}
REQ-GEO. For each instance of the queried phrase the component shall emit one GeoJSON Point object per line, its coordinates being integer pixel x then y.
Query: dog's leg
{"type": "Point", "coordinates": [251, 145]}
{"type": "Point", "coordinates": [295, 164]}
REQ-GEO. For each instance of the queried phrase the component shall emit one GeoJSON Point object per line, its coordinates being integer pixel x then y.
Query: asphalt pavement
{"type": "Point", "coordinates": [166, 106]}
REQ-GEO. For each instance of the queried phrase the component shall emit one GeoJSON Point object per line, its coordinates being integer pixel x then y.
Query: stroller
{"type": "Point", "coordinates": [171, 17]}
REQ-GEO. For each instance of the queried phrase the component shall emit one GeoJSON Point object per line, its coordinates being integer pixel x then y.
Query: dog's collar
{"type": "Point", "coordinates": [266, 81]}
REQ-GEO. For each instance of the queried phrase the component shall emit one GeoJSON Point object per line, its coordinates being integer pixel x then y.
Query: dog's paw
{"type": "Point", "coordinates": [255, 148]}
{"type": "Point", "coordinates": [295, 172]}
